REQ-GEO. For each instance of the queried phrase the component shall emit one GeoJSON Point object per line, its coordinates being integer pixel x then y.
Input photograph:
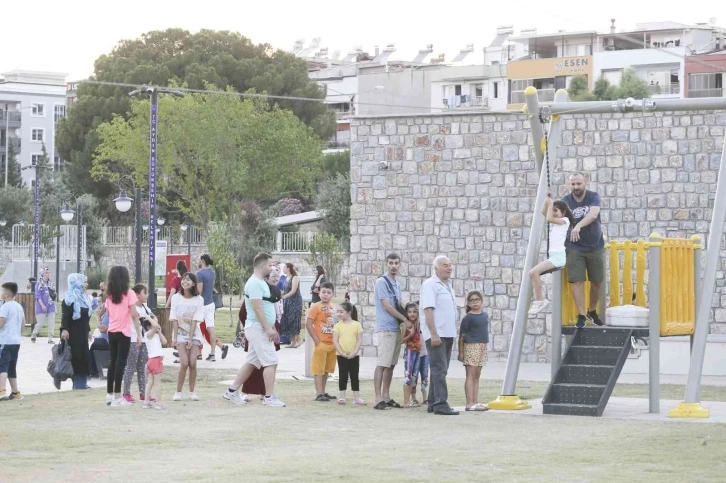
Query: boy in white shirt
{"type": "Point", "coordinates": [12, 320]}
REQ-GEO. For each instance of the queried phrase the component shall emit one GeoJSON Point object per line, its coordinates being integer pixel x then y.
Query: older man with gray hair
{"type": "Point", "coordinates": [437, 311]}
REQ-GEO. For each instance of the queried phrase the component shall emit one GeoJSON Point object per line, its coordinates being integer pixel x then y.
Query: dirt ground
{"type": "Point", "coordinates": [73, 436]}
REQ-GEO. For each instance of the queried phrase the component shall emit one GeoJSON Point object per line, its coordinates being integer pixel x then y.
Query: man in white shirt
{"type": "Point", "coordinates": [437, 312]}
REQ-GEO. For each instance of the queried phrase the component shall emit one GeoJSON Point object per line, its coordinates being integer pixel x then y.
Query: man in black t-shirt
{"type": "Point", "coordinates": [585, 248]}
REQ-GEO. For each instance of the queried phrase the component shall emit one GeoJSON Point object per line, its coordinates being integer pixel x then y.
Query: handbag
{"type": "Point", "coordinates": [218, 300]}
{"type": "Point", "coordinates": [60, 365]}
{"type": "Point", "coordinates": [52, 294]}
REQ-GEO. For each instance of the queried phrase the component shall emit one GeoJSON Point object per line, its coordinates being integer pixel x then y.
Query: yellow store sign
{"type": "Point", "coordinates": [548, 68]}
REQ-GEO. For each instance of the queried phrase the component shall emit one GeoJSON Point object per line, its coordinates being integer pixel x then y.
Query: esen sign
{"type": "Point", "coordinates": [572, 66]}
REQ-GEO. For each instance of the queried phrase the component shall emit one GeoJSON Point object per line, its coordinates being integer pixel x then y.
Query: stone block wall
{"type": "Point", "coordinates": [464, 186]}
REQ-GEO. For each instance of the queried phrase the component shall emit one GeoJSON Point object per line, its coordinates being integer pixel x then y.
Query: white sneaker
{"type": "Point", "coordinates": [273, 401]}
{"type": "Point", "coordinates": [120, 402]}
{"type": "Point", "coordinates": [147, 405]}
{"type": "Point", "coordinates": [193, 396]}
{"type": "Point", "coordinates": [109, 399]}
{"type": "Point", "coordinates": [235, 398]}
{"type": "Point", "coordinates": [538, 306]}
{"type": "Point", "coordinates": [177, 396]}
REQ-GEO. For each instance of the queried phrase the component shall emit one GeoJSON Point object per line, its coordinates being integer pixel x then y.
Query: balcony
{"type": "Point", "coordinates": [544, 95]}
{"type": "Point", "coordinates": [14, 142]}
{"type": "Point", "coordinates": [674, 88]}
{"type": "Point", "coordinates": [336, 145]}
{"type": "Point", "coordinates": [466, 102]}
{"type": "Point", "coordinates": [10, 119]}
{"type": "Point", "coordinates": [705, 92]}
{"type": "Point", "coordinates": [343, 114]}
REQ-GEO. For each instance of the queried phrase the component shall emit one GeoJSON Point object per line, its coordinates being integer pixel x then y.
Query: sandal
{"type": "Point", "coordinates": [381, 406]}
{"type": "Point", "coordinates": [478, 407]}
{"type": "Point", "coordinates": [393, 404]}
{"type": "Point", "coordinates": [341, 401]}
{"type": "Point", "coordinates": [359, 402]}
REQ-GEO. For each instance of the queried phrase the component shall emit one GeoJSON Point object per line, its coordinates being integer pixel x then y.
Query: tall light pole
{"type": "Point", "coordinates": [123, 204]}
{"type": "Point", "coordinates": [186, 227]}
{"type": "Point", "coordinates": [154, 92]}
{"type": "Point", "coordinates": [67, 216]}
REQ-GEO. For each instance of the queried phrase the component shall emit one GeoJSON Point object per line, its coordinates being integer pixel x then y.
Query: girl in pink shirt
{"type": "Point", "coordinates": [121, 311]}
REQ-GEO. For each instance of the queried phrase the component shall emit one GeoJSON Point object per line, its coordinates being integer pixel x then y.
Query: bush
{"type": "Point", "coordinates": [95, 276]}
{"type": "Point", "coordinates": [287, 206]}
{"type": "Point", "coordinates": [325, 250]}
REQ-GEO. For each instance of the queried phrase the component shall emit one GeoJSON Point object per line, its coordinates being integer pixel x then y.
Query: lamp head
{"type": "Point", "coordinates": [123, 202]}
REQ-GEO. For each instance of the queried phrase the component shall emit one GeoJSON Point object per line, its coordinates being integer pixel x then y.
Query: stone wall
{"type": "Point", "coordinates": [464, 185]}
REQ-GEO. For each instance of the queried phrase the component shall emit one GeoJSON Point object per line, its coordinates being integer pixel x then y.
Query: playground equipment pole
{"type": "Point", "coordinates": [691, 407]}
{"type": "Point", "coordinates": [556, 355]}
{"type": "Point", "coordinates": [508, 399]}
{"type": "Point", "coordinates": [654, 325]}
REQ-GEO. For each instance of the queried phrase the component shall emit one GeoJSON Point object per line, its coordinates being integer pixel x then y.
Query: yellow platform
{"type": "Point", "coordinates": [689, 410]}
{"type": "Point", "coordinates": [509, 403]}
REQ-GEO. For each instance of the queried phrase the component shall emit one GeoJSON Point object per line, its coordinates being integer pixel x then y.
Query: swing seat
{"type": "Point", "coordinates": [552, 270]}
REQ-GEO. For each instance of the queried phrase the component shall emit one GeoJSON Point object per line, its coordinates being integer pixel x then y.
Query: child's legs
{"type": "Point", "coordinates": [183, 365]}
{"type": "Point", "coordinates": [193, 353]}
{"type": "Point", "coordinates": [423, 368]}
{"type": "Point", "coordinates": [353, 370]}
{"type": "Point", "coordinates": [149, 388]}
{"type": "Point", "coordinates": [157, 386]}
{"type": "Point", "coordinates": [123, 354]}
{"type": "Point", "coordinates": [343, 366]}
{"type": "Point", "coordinates": [319, 385]}
{"type": "Point", "coordinates": [130, 367]}
{"type": "Point", "coordinates": [469, 386]}
{"type": "Point", "coordinates": [535, 275]}
{"type": "Point", "coordinates": [477, 377]}
{"type": "Point", "coordinates": [113, 345]}
{"type": "Point", "coordinates": [141, 368]}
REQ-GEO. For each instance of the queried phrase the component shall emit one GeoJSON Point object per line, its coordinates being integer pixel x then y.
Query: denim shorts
{"type": "Point", "coordinates": [558, 259]}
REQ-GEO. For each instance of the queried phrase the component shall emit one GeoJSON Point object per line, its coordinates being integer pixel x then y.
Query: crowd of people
{"type": "Point", "coordinates": [272, 310]}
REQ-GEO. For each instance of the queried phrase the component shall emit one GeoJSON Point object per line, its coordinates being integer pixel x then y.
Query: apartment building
{"type": "Point", "coordinates": [31, 103]}
{"type": "Point", "coordinates": [705, 74]}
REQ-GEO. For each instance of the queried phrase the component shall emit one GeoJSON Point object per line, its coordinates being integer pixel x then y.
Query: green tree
{"type": "Point", "coordinates": [333, 201]}
{"type": "Point", "coordinates": [338, 162]}
{"type": "Point", "coordinates": [578, 90]}
{"type": "Point", "coordinates": [16, 204]}
{"type": "Point", "coordinates": [632, 86]}
{"type": "Point", "coordinates": [178, 57]}
{"type": "Point", "coordinates": [15, 178]}
{"type": "Point", "coordinates": [214, 151]}
{"type": "Point", "coordinates": [325, 250]}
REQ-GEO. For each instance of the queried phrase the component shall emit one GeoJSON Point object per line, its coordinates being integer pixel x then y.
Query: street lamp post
{"type": "Point", "coordinates": [154, 92]}
{"type": "Point", "coordinates": [187, 228]}
{"type": "Point", "coordinates": [67, 216]}
{"type": "Point", "coordinates": [123, 204]}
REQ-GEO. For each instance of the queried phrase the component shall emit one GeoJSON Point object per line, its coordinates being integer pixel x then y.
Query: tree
{"type": "Point", "coordinates": [578, 90]}
{"type": "Point", "coordinates": [178, 57]}
{"type": "Point", "coordinates": [15, 178]}
{"type": "Point", "coordinates": [334, 163]}
{"type": "Point", "coordinates": [333, 201]}
{"type": "Point", "coordinates": [213, 152]}
{"type": "Point", "coordinates": [325, 250]}
{"type": "Point", "coordinates": [632, 86]}
{"type": "Point", "coordinates": [16, 204]}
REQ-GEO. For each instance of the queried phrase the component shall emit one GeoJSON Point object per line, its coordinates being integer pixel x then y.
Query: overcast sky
{"type": "Point", "coordinates": [67, 36]}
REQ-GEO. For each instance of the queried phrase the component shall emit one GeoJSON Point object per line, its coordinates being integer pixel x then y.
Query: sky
{"type": "Point", "coordinates": [68, 36]}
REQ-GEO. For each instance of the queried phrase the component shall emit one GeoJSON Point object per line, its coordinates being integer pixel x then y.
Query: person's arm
{"type": "Point", "coordinates": [2, 322]}
{"type": "Point", "coordinates": [316, 285]}
{"type": "Point", "coordinates": [408, 332]}
{"type": "Point", "coordinates": [381, 291]}
{"type": "Point", "coordinates": [293, 289]}
{"type": "Point", "coordinates": [66, 318]}
{"type": "Point", "coordinates": [311, 329]}
{"type": "Point", "coordinates": [462, 330]}
{"type": "Point", "coordinates": [137, 324]}
{"type": "Point", "coordinates": [591, 216]}
{"type": "Point", "coordinates": [358, 344]}
{"type": "Point", "coordinates": [546, 206]}
{"type": "Point", "coordinates": [336, 343]}
{"type": "Point", "coordinates": [172, 292]}
{"type": "Point", "coordinates": [174, 329]}
{"type": "Point", "coordinates": [267, 326]}
{"type": "Point", "coordinates": [39, 299]}
{"type": "Point", "coordinates": [429, 313]}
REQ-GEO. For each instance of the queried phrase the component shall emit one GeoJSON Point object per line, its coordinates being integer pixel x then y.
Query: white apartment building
{"type": "Point", "coordinates": [31, 103]}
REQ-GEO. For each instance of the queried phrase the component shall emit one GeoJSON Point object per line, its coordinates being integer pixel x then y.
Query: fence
{"type": "Point", "coordinates": [121, 236]}
{"type": "Point", "coordinates": [298, 242]}
{"type": "Point", "coordinates": [628, 263]}
{"type": "Point", "coordinates": [21, 247]}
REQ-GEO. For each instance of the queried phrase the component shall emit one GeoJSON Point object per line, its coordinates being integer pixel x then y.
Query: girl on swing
{"type": "Point", "coordinates": [560, 220]}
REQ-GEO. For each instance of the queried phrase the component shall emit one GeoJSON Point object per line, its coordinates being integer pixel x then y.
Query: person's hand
{"type": "Point", "coordinates": [64, 334]}
{"type": "Point", "coordinates": [139, 341]}
{"type": "Point", "coordinates": [460, 357]}
{"type": "Point", "coordinates": [43, 308]}
{"type": "Point", "coordinates": [575, 234]}
{"type": "Point", "coordinates": [435, 340]}
{"type": "Point", "coordinates": [189, 344]}
{"type": "Point", "coordinates": [316, 342]}
{"type": "Point", "coordinates": [549, 193]}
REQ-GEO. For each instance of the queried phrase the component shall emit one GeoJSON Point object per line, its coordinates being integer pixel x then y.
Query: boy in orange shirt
{"type": "Point", "coordinates": [320, 322]}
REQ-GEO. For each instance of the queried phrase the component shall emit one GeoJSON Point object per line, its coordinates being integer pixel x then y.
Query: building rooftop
{"type": "Point", "coordinates": [34, 77]}
{"type": "Point", "coordinates": [307, 217]}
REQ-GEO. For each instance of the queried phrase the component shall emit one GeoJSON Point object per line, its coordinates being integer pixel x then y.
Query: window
{"type": "Point", "coordinates": [59, 112]}
{"type": "Point", "coordinates": [517, 90]}
{"type": "Point", "coordinates": [705, 85]}
{"type": "Point", "coordinates": [613, 76]}
{"type": "Point", "coordinates": [664, 82]}
{"type": "Point", "coordinates": [496, 90]}
{"type": "Point", "coordinates": [35, 159]}
{"type": "Point", "coordinates": [38, 135]}
{"type": "Point", "coordinates": [38, 110]}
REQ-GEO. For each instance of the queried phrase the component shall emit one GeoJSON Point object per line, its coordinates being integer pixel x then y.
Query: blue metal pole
{"type": "Point", "coordinates": [152, 199]}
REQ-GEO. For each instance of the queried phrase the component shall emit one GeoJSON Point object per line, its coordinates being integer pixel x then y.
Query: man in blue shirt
{"type": "Point", "coordinates": [205, 284]}
{"type": "Point", "coordinates": [585, 248]}
{"type": "Point", "coordinates": [12, 320]}
{"type": "Point", "coordinates": [389, 316]}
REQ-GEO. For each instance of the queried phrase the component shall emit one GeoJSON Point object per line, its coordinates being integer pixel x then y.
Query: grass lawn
{"type": "Point", "coordinates": [73, 436]}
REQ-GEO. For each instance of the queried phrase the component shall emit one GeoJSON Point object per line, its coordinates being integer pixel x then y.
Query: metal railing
{"type": "Point", "coordinates": [15, 142]}
{"type": "Point", "coordinates": [465, 101]}
{"type": "Point", "coordinates": [10, 116]}
{"type": "Point", "coordinates": [122, 236]}
{"type": "Point", "coordinates": [298, 242]}
{"type": "Point", "coordinates": [705, 92]}
{"type": "Point", "coordinates": [544, 95]}
{"type": "Point", "coordinates": [21, 245]}
{"type": "Point", "coordinates": [336, 145]}
{"type": "Point", "coordinates": [673, 88]}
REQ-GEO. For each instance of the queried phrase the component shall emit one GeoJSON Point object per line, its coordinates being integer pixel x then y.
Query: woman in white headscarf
{"type": "Point", "coordinates": [75, 315]}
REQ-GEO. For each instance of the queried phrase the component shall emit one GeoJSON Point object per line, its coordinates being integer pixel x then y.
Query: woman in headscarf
{"type": "Point", "coordinates": [75, 314]}
{"type": "Point", "coordinates": [44, 305]}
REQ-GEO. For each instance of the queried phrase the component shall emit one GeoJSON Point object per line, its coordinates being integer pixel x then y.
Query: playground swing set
{"type": "Point", "coordinates": [679, 288]}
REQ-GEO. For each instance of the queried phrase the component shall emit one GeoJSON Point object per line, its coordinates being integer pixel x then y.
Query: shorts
{"type": "Point", "coordinates": [558, 259]}
{"type": "Point", "coordinates": [475, 354]}
{"type": "Point", "coordinates": [580, 262]}
{"type": "Point", "coordinates": [260, 349]}
{"type": "Point", "coordinates": [411, 366]}
{"type": "Point", "coordinates": [182, 340]}
{"type": "Point", "coordinates": [389, 348]}
{"type": "Point", "coordinates": [324, 359]}
{"type": "Point", "coordinates": [209, 315]}
{"type": "Point", "coordinates": [155, 365]}
{"type": "Point", "coordinates": [9, 360]}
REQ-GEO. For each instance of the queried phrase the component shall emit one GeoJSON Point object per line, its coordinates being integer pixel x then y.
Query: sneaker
{"type": "Point", "coordinates": [538, 306]}
{"type": "Point", "coordinates": [175, 354]}
{"type": "Point", "coordinates": [109, 399]}
{"type": "Point", "coordinates": [120, 402]}
{"type": "Point", "coordinates": [177, 396]}
{"type": "Point", "coordinates": [329, 396]}
{"type": "Point", "coordinates": [322, 398]}
{"type": "Point", "coordinates": [235, 398]}
{"type": "Point", "coordinates": [246, 398]}
{"type": "Point", "coordinates": [211, 358]}
{"type": "Point", "coordinates": [225, 349]}
{"type": "Point", "coordinates": [142, 397]}
{"type": "Point", "coordinates": [32, 339]}
{"type": "Point", "coordinates": [581, 321]}
{"type": "Point", "coordinates": [3, 396]}
{"type": "Point", "coordinates": [193, 396]}
{"type": "Point", "coordinates": [359, 402]}
{"type": "Point", "coordinates": [15, 396]}
{"type": "Point", "coordinates": [129, 398]}
{"type": "Point", "coordinates": [159, 405]}
{"type": "Point", "coordinates": [273, 402]}
{"type": "Point", "coordinates": [147, 405]}
{"type": "Point", "coordinates": [592, 315]}
{"type": "Point", "coordinates": [199, 357]}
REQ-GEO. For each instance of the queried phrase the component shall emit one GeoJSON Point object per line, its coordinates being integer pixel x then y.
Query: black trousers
{"type": "Point", "coordinates": [119, 346]}
{"type": "Point", "coordinates": [348, 367]}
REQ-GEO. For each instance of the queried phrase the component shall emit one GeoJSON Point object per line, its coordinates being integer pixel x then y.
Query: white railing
{"type": "Point", "coordinates": [297, 242]}
{"type": "Point", "coordinates": [544, 95]}
{"type": "Point", "coordinates": [673, 88]}
{"type": "Point", "coordinates": [121, 236]}
{"type": "Point", "coordinates": [21, 245]}
{"type": "Point", "coordinates": [705, 92]}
